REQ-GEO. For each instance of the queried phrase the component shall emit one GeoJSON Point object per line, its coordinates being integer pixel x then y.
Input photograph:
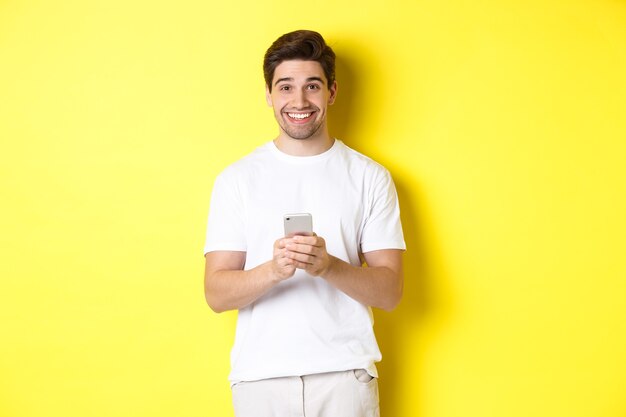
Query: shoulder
{"type": "Point", "coordinates": [247, 165]}
{"type": "Point", "coordinates": [363, 163]}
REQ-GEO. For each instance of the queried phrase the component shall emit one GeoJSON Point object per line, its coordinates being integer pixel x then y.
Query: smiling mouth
{"type": "Point", "coordinates": [299, 117]}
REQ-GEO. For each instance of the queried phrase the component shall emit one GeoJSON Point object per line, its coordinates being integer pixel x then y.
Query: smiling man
{"type": "Point", "coordinates": [304, 344]}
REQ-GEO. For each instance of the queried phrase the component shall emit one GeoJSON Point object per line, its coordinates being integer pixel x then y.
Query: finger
{"type": "Point", "coordinates": [301, 248]}
{"type": "Point", "coordinates": [300, 257]}
{"type": "Point", "coordinates": [301, 265]}
{"type": "Point", "coordinates": [281, 255]}
{"type": "Point", "coordinates": [283, 261]}
{"type": "Point", "coordinates": [309, 240]}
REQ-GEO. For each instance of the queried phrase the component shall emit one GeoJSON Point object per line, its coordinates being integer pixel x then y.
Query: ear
{"type": "Point", "coordinates": [333, 93]}
{"type": "Point", "coordinates": [268, 96]}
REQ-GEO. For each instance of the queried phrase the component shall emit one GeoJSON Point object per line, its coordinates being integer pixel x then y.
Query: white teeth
{"type": "Point", "coordinates": [299, 116]}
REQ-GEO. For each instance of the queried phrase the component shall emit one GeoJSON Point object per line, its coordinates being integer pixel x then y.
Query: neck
{"type": "Point", "coordinates": [314, 145]}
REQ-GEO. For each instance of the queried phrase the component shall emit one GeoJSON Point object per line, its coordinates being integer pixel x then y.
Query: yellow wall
{"type": "Point", "coordinates": [503, 123]}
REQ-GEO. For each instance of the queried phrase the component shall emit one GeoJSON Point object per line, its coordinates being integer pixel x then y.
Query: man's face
{"type": "Point", "coordinates": [300, 97]}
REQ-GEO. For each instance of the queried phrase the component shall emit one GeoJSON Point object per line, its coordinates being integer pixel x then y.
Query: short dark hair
{"type": "Point", "coordinates": [305, 45]}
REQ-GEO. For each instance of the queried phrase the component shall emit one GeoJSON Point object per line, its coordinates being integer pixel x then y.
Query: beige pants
{"type": "Point", "coordinates": [334, 394]}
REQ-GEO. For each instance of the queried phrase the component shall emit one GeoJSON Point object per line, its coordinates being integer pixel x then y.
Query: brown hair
{"type": "Point", "coordinates": [305, 45]}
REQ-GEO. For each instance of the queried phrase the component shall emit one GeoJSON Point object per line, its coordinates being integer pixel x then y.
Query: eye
{"type": "Point", "coordinates": [313, 87]}
{"type": "Point", "coordinates": [284, 88]}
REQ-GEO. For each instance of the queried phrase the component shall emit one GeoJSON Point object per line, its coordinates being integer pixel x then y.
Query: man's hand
{"type": "Point", "coordinates": [282, 265]}
{"type": "Point", "coordinates": [227, 286]}
{"type": "Point", "coordinates": [308, 253]}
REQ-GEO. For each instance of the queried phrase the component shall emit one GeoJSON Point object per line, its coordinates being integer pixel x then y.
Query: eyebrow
{"type": "Point", "coordinates": [291, 79]}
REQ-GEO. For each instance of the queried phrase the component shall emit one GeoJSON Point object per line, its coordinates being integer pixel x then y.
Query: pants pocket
{"type": "Point", "coordinates": [362, 376]}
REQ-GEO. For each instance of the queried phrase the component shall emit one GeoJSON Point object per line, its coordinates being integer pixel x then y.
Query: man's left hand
{"type": "Point", "coordinates": [309, 253]}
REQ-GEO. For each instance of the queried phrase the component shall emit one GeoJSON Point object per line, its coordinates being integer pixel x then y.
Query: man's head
{"type": "Point", "coordinates": [300, 85]}
{"type": "Point", "coordinates": [304, 45]}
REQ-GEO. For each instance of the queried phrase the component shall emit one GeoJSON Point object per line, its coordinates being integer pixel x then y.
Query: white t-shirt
{"type": "Point", "coordinates": [303, 325]}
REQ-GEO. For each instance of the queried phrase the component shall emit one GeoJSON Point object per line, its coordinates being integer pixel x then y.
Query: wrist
{"type": "Point", "coordinates": [274, 275]}
{"type": "Point", "coordinates": [330, 267]}
{"type": "Point", "coordinates": [267, 273]}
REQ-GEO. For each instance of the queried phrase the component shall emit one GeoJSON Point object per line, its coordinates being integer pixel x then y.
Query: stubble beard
{"type": "Point", "coordinates": [302, 133]}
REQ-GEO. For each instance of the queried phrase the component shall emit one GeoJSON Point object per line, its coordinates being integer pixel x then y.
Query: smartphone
{"type": "Point", "coordinates": [298, 224]}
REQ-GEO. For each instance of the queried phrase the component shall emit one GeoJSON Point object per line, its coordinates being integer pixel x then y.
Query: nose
{"type": "Point", "coordinates": [300, 100]}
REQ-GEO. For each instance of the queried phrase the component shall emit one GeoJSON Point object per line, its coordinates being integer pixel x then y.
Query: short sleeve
{"type": "Point", "coordinates": [383, 228]}
{"type": "Point", "coordinates": [226, 223]}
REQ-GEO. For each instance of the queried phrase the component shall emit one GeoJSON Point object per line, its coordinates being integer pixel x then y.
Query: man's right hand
{"type": "Point", "coordinates": [282, 267]}
{"type": "Point", "coordinates": [227, 286]}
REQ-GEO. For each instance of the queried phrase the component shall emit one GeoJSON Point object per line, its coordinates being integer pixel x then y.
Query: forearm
{"type": "Point", "coordinates": [235, 289]}
{"type": "Point", "coordinates": [379, 284]}
{"type": "Point", "coordinates": [375, 286]}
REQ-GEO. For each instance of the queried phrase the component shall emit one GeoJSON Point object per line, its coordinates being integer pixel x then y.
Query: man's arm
{"type": "Point", "coordinates": [228, 287]}
{"type": "Point", "coordinates": [379, 284]}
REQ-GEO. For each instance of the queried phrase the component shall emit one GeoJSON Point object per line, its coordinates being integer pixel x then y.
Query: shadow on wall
{"type": "Point", "coordinates": [340, 120]}
{"type": "Point", "coordinates": [394, 327]}
{"type": "Point", "coordinates": [391, 328]}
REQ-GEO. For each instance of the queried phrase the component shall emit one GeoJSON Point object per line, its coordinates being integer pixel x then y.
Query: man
{"type": "Point", "coordinates": [304, 344]}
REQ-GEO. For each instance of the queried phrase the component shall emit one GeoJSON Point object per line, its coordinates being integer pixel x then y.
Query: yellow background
{"type": "Point", "coordinates": [502, 122]}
